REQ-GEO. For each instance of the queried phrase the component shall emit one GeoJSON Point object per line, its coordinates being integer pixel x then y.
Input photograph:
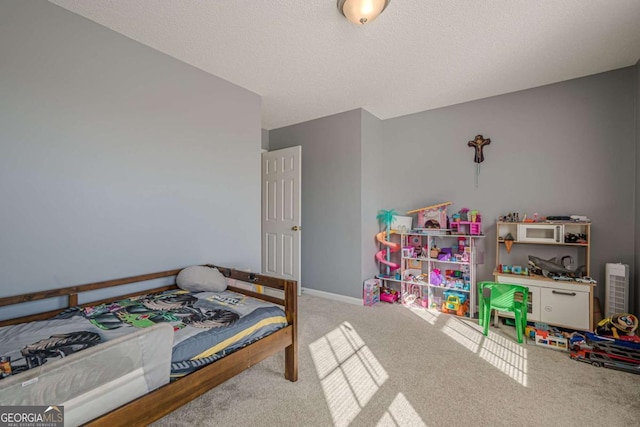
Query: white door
{"type": "Point", "coordinates": [281, 176]}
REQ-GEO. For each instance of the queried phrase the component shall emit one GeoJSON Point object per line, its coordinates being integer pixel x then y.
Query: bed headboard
{"type": "Point", "coordinates": [287, 286]}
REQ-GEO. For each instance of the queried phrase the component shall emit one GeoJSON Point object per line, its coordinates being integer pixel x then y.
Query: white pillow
{"type": "Point", "coordinates": [198, 278]}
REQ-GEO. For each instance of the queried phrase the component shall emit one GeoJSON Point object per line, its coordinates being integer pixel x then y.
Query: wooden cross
{"type": "Point", "coordinates": [479, 144]}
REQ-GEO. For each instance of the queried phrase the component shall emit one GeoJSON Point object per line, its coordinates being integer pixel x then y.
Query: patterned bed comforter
{"type": "Point", "coordinates": [207, 326]}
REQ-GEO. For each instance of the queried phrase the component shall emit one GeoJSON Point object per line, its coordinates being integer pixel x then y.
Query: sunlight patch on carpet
{"type": "Point", "coordinates": [400, 413]}
{"type": "Point", "coordinates": [463, 334]}
{"type": "Point", "coordinates": [349, 372]}
{"type": "Point", "coordinates": [429, 316]}
{"type": "Point", "coordinates": [506, 355]}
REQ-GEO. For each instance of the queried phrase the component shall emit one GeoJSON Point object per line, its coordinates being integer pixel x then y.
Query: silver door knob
{"type": "Point", "coordinates": [296, 228]}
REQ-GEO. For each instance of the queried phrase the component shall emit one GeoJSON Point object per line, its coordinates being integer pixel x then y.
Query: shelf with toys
{"type": "Point", "coordinates": [433, 264]}
{"type": "Point", "coordinates": [443, 280]}
{"type": "Point", "coordinates": [432, 259]}
{"type": "Point", "coordinates": [388, 281]}
{"type": "Point", "coordinates": [551, 258]}
{"type": "Point", "coordinates": [438, 260]}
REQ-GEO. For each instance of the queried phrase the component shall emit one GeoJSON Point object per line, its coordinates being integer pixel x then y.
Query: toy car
{"type": "Point", "coordinates": [585, 279]}
{"type": "Point", "coordinates": [456, 303]}
{"type": "Point", "coordinates": [452, 303]}
{"type": "Point", "coordinates": [577, 341]}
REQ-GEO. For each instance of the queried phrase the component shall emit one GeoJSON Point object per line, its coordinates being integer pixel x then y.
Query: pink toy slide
{"type": "Point", "coordinates": [393, 247]}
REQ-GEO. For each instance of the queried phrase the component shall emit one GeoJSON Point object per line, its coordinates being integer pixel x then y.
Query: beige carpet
{"type": "Point", "coordinates": [390, 366]}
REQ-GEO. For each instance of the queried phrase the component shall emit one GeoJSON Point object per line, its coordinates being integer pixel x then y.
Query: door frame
{"type": "Point", "coordinates": [298, 196]}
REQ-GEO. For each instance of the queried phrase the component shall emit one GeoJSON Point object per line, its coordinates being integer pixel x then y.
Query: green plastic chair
{"type": "Point", "coordinates": [503, 297]}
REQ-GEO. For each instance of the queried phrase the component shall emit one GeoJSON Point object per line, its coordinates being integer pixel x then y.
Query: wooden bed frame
{"type": "Point", "coordinates": [158, 403]}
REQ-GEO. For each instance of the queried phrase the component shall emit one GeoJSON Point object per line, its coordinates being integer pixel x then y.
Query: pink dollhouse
{"type": "Point", "coordinates": [434, 216]}
{"type": "Point", "coordinates": [466, 222]}
{"type": "Point", "coordinates": [475, 228]}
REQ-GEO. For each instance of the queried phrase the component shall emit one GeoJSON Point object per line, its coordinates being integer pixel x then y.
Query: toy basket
{"type": "Point", "coordinates": [388, 295]}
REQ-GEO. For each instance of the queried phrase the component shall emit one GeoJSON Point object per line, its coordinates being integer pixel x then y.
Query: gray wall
{"type": "Point", "coordinates": [265, 139]}
{"type": "Point", "coordinates": [116, 159]}
{"type": "Point", "coordinates": [374, 171]}
{"type": "Point", "coordinates": [561, 149]}
{"type": "Point", "coordinates": [331, 205]}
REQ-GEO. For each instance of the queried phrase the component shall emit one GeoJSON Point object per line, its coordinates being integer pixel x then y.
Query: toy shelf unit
{"type": "Point", "coordinates": [553, 260]}
{"type": "Point", "coordinates": [438, 271]}
{"type": "Point", "coordinates": [388, 258]}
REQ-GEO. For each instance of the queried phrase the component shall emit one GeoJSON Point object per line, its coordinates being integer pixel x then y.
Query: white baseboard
{"type": "Point", "coordinates": [331, 296]}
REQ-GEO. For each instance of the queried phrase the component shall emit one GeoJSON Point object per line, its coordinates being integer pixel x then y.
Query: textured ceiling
{"type": "Point", "coordinates": [307, 61]}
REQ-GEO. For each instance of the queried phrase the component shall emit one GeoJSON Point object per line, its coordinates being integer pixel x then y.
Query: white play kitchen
{"type": "Point", "coordinates": [552, 260]}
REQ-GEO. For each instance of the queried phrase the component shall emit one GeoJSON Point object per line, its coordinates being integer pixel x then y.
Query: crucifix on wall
{"type": "Point", "coordinates": [478, 144]}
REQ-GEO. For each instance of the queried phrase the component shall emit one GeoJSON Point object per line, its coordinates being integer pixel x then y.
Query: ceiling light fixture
{"type": "Point", "coordinates": [362, 11]}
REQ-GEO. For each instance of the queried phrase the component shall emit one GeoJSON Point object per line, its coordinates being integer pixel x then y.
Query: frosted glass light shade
{"type": "Point", "coordinates": [362, 11]}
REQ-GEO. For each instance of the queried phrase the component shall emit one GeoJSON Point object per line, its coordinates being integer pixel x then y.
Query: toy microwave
{"type": "Point", "coordinates": [540, 233]}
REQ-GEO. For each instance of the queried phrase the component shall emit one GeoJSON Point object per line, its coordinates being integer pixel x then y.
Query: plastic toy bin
{"type": "Point", "coordinates": [371, 292]}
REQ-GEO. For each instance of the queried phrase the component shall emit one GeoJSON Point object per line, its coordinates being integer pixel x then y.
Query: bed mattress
{"type": "Point", "coordinates": [90, 382]}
